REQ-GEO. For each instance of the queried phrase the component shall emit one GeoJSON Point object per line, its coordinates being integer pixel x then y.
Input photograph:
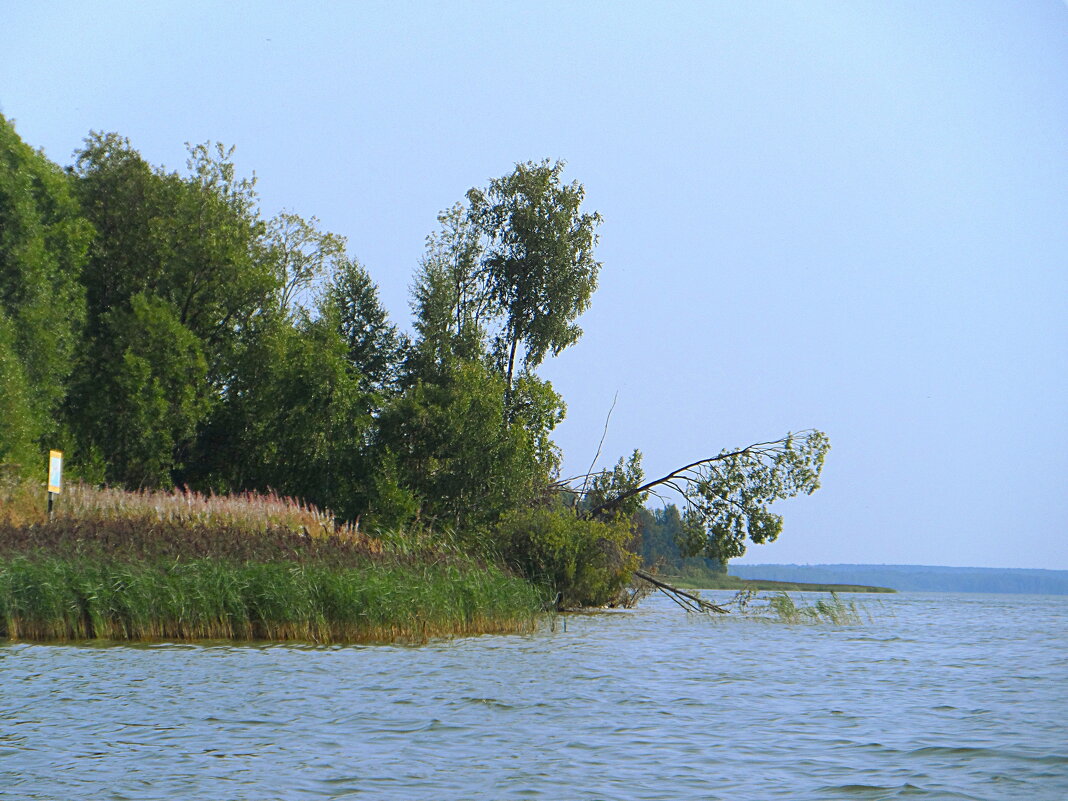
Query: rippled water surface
{"type": "Point", "coordinates": [938, 697]}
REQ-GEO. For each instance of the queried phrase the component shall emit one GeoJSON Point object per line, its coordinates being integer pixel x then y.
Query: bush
{"type": "Point", "coordinates": [584, 560]}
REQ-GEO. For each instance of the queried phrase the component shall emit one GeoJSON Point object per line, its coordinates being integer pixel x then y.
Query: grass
{"type": "Point", "coordinates": [781, 608]}
{"type": "Point", "coordinates": [184, 566]}
{"type": "Point", "coordinates": [65, 599]}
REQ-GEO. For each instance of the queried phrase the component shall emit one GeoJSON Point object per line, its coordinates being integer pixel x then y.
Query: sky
{"type": "Point", "coordinates": [850, 216]}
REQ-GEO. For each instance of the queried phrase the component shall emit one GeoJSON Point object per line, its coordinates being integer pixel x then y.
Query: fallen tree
{"type": "Point", "coordinates": [727, 498]}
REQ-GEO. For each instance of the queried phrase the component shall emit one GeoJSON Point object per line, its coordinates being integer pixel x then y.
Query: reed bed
{"type": "Point", "coordinates": [149, 538]}
{"type": "Point", "coordinates": [57, 598]}
{"type": "Point", "coordinates": [248, 511]}
{"type": "Point", "coordinates": [187, 566]}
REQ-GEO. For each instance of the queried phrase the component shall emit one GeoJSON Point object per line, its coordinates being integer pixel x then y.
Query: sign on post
{"type": "Point", "coordinates": [55, 471]}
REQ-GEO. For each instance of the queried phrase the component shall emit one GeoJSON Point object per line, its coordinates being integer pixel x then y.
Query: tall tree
{"type": "Point", "coordinates": [539, 260]}
{"type": "Point", "coordinates": [179, 257]}
{"type": "Point", "coordinates": [351, 306]}
{"type": "Point", "coordinates": [506, 277]}
{"type": "Point", "coordinates": [43, 245]}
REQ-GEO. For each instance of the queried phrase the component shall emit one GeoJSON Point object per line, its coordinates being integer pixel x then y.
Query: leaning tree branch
{"type": "Point", "coordinates": [688, 601]}
{"type": "Point", "coordinates": [612, 503]}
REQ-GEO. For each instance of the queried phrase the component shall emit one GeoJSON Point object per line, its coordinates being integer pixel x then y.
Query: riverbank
{"type": "Point", "coordinates": [181, 567]}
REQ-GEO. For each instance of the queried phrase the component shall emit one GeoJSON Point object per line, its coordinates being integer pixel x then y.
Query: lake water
{"type": "Point", "coordinates": [938, 697]}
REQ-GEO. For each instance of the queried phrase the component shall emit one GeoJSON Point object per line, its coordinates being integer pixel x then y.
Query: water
{"type": "Point", "coordinates": [939, 697]}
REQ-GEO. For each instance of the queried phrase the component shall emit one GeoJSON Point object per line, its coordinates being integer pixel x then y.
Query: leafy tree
{"type": "Point", "coordinates": [539, 262]}
{"type": "Point", "coordinates": [149, 395]}
{"type": "Point", "coordinates": [350, 305]}
{"type": "Point", "coordinates": [455, 451]}
{"type": "Point", "coordinates": [196, 242]}
{"type": "Point", "coordinates": [450, 297]}
{"type": "Point", "coordinates": [301, 254]}
{"type": "Point", "coordinates": [183, 257]}
{"type": "Point", "coordinates": [506, 277]}
{"type": "Point", "coordinates": [728, 495]}
{"type": "Point", "coordinates": [295, 420]}
{"type": "Point", "coordinates": [43, 244]}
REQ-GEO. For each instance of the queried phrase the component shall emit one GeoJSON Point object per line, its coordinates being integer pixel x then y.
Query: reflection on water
{"type": "Point", "coordinates": [939, 697]}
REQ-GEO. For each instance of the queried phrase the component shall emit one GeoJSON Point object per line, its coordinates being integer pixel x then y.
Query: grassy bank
{"type": "Point", "coordinates": [177, 566]}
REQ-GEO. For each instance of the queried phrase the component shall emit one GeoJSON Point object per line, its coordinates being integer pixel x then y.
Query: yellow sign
{"type": "Point", "coordinates": [55, 471]}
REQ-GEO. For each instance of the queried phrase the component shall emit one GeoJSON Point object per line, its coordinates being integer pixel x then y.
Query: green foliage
{"type": "Point", "coordinates": [19, 426]}
{"type": "Point", "coordinates": [506, 277]}
{"type": "Point", "coordinates": [585, 560]}
{"type": "Point", "coordinates": [659, 533]}
{"type": "Point", "coordinates": [728, 497]}
{"type": "Point", "coordinates": [195, 242]}
{"type": "Point", "coordinates": [148, 394]}
{"type": "Point", "coordinates": [457, 454]}
{"type": "Point", "coordinates": [43, 243]}
{"type": "Point", "coordinates": [622, 480]}
{"type": "Point", "coordinates": [538, 260]}
{"type": "Point", "coordinates": [300, 253]}
{"type": "Point", "coordinates": [350, 305]}
{"type": "Point", "coordinates": [294, 419]}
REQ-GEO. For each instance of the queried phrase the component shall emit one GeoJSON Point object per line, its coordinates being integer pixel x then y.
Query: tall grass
{"type": "Point", "coordinates": [185, 566]}
{"type": "Point", "coordinates": [248, 511]}
{"type": "Point", "coordinates": [56, 598]}
{"type": "Point", "coordinates": [834, 611]}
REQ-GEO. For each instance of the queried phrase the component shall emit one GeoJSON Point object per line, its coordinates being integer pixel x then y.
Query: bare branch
{"type": "Point", "coordinates": [600, 444]}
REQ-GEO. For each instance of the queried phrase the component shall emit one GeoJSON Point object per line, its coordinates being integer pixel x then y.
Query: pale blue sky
{"type": "Point", "coordinates": [844, 215]}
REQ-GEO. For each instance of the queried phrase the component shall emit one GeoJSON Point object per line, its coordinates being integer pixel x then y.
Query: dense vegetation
{"type": "Point", "coordinates": [162, 333]}
{"type": "Point", "coordinates": [179, 565]}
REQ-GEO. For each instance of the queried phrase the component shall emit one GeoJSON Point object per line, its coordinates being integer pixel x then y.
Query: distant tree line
{"type": "Point", "coordinates": [156, 327]}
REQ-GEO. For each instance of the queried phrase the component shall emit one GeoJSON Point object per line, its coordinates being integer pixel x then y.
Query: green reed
{"type": "Point", "coordinates": [68, 598]}
{"type": "Point", "coordinates": [834, 610]}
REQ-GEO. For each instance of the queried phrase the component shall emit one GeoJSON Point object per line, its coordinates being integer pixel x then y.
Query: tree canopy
{"type": "Point", "coordinates": [160, 329]}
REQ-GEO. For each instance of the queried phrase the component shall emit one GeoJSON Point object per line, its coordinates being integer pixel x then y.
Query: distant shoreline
{"type": "Point", "coordinates": [729, 582]}
{"type": "Point", "coordinates": [915, 578]}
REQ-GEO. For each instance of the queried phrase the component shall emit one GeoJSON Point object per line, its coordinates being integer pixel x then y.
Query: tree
{"type": "Point", "coordinates": [301, 253]}
{"type": "Point", "coordinates": [350, 305]}
{"type": "Point", "coordinates": [149, 395]}
{"type": "Point", "coordinates": [464, 463]}
{"type": "Point", "coordinates": [196, 241]}
{"type": "Point", "coordinates": [727, 496]}
{"type": "Point", "coordinates": [43, 244]}
{"type": "Point", "coordinates": [539, 260]}
{"type": "Point", "coordinates": [294, 420]}
{"type": "Point", "coordinates": [509, 274]}
{"type": "Point", "coordinates": [178, 257]}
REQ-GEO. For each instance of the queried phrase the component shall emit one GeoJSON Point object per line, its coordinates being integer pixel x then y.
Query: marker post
{"type": "Point", "coordinates": [55, 478]}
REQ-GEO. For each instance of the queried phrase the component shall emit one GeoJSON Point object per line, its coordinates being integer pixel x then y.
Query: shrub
{"type": "Point", "coordinates": [584, 560]}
